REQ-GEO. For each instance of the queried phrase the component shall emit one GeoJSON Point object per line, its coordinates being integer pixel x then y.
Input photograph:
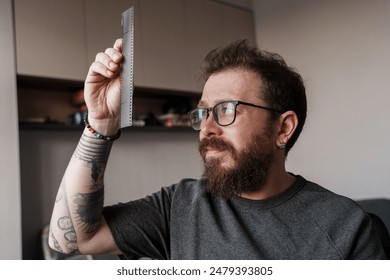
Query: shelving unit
{"type": "Point", "coordinates": [45, 104]}
{"type": "Point", "coordinates": [61, 127]}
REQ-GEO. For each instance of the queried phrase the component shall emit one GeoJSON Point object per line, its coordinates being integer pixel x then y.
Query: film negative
{"type": "Point", "coordinates": [127, 74]}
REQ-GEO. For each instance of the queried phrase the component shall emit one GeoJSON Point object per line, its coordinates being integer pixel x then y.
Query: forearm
{"type": "Point", "coordinates": [78, 208]}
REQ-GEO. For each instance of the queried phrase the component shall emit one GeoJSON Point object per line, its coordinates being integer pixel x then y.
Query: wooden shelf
{"type": "Point", "coordinates": [50, 100]}
{"type": "Point", "coordinates": [33, 82]}
{"type": "Point", "coordinates": [63, 127]}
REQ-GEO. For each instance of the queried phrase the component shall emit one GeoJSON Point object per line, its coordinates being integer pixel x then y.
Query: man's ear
{"type": "Point", "coordinates": [288, 123]}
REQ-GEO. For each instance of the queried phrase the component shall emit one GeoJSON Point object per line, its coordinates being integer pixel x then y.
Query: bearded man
{"type": "Point", "coordinates": [245, 206]}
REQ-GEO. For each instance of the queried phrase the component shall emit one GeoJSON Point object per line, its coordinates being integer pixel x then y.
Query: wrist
{"type": "Point", "coordinates": [106, 129]}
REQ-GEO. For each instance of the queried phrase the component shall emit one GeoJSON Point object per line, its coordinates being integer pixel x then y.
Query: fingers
{"type": "Point", "coordinates": [118, 44]}
{"type": "Point", "coordinates": [107, 63]}
{"type": "Point", "coordinates": [110, 59]}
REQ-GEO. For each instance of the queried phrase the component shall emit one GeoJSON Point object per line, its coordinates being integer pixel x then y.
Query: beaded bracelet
{"type": "Point", "coordinates": [97, 134]}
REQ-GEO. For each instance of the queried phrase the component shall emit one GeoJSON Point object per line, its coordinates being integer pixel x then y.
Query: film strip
{"type": "Point", "coordinates": [127, 75]}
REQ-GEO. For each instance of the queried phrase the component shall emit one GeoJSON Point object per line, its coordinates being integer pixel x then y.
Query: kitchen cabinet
{"type": "Point", "coordinates": [176, 35]}
{"type": "Point", "coordinates": [163, 44]}
{"type": "Point", "coordinates": [210, 25]}
{"type": "Point", "coordinates": [60, 39]}
{"type": "Point", "coordinates": [50, 38]}
{"type": "Point", "coordinates": [204, 32]}
{"type": "Point", "coordinates": [237, 24]}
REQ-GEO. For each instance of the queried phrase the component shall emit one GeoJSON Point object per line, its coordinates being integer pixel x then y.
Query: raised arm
{"type": "Point", "coordinates": [77, 224]}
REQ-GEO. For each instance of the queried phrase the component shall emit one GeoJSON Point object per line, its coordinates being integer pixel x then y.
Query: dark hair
{"type": "Point", "coordinates": [283, 88]}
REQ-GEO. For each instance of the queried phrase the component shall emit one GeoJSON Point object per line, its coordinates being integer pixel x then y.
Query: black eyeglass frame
{"type": "Point", "coordinates": [236, 103]}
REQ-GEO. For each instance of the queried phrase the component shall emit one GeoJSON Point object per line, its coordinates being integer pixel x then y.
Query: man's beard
{"type": "Point", "coordinates": [250, 169]}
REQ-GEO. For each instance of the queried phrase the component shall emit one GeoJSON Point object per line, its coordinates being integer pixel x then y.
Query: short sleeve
{"type": "Point", "coordinates": [141, 228]}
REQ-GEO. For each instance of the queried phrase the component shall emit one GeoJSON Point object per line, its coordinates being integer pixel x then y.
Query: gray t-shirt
{"type": "Point", "coordinates": [184, 221]}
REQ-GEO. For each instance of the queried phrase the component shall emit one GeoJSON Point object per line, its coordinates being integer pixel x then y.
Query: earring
{"type": "Point", "coordinates": [282, 145]}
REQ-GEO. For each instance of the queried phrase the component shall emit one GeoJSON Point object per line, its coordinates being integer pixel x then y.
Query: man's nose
{"type": "Point", "coordinates": [209, 126]}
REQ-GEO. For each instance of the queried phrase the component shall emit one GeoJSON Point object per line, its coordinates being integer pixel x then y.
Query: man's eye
{"type": "Point", "coordinates": [228, 110]}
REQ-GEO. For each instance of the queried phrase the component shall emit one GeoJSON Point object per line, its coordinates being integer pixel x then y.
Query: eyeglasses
{"type": "Point", "coordinates": [224, 113]}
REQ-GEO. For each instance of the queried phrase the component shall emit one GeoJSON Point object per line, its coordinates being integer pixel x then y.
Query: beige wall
{"type": "Point", "coordinates": [341, 47]}
{"type": "Point", "coordinates": [10, 220]}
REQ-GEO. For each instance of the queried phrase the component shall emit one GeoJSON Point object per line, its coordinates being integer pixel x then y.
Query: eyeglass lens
{"type": "Point", "coordinates": [223, 113]}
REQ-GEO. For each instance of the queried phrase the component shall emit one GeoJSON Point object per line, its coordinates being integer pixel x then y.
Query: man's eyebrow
{"type": "Point", "coordinates": [202, 104]}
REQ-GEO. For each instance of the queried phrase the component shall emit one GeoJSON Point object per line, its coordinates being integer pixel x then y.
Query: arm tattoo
{"type": "Point", "coordinates": [90, 148]}
{"type": "Point", "coordinates": [89, 209]}
{"type": "Point", "coordinates": [95, 170]}
{"type": "Point", "coordinates": [71, 239]}
{"type": "Point", "coordinates": [94, 152]}
{"type": "Point", "coordinates": [65, 224]}
{"type": "Point", "coordinates": [55, 242]}
{"type": "Point", "coordinates": [88, 206]}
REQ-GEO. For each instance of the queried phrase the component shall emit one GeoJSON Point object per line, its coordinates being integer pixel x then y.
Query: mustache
{"type": "Point", "coordinates": [216, 144]}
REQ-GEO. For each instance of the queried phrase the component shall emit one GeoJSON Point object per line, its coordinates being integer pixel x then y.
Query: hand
{"type": "Point", "coordinates": [102, 90]}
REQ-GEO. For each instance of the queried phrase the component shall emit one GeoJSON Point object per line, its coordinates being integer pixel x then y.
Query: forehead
{"type": "Point", "coordinates": [232, 84]}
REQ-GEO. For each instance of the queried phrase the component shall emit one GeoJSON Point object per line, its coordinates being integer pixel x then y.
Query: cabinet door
{"type": "Point", "coordinates": [204, 21]}
{"type": "Point", "coordinates": [50, 38]}
{"type": "Point", "coordinates": [238, 24]}
{"type": "Point", "coordinates": [163, 50]}
{"type": "Point", "coordinates": [210, 25]}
